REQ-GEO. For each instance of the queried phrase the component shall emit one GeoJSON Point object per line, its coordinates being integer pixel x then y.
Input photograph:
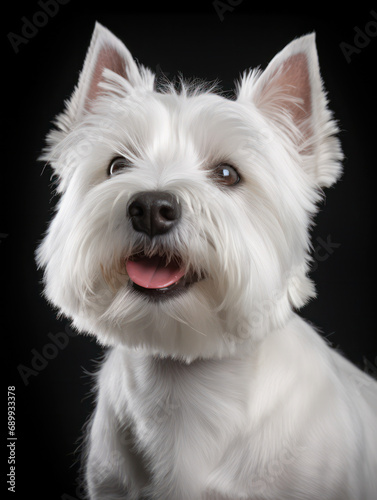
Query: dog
{"type": "Point", "coordinates": [181, 242]}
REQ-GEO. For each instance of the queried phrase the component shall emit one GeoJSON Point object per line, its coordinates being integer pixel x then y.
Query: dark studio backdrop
{"type": "Point", "coordinates": [49, 367]}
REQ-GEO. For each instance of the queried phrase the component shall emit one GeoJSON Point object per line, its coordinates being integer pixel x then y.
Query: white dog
{"type": "Point", "coordinates": [181, 241]}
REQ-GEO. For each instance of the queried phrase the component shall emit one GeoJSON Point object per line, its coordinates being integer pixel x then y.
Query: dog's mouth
{"type": "Point", "coordinates": [157, 276]}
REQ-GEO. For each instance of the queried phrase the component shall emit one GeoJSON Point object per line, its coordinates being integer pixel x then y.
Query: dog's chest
{"type": "Point", "coordinates": [185, 415]}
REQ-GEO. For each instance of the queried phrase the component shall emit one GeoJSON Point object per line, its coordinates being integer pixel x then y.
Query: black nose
{"type": "Point", "coordinates": [154, 212]}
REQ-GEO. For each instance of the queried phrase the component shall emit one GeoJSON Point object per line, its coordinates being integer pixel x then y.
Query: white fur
{"type": "Point", "coordinates": [222, 392]}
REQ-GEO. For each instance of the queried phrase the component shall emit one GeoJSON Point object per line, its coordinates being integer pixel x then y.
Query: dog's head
{"type": "Point", "coordinates": [183, 220]}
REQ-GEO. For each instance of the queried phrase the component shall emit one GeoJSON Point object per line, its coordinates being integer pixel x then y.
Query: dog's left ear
{"type": "Point", "coordinates": [291, 95]}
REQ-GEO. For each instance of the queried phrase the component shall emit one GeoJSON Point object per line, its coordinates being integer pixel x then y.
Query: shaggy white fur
{"type": "Point", "coordinates": [217, 391]}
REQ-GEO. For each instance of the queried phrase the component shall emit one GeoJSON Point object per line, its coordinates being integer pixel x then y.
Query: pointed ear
{"type": "Point", "coordinates": [290, 94]}
{"type": "Point", "coordinates": [105, 51]}
{"type": "Point", "coordinates": [108, 68]}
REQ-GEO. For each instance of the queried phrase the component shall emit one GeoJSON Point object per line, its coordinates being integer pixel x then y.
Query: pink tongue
{"type": "Point", "coordinates": [153, 272]}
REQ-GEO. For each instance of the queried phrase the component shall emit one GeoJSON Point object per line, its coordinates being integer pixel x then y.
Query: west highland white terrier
{"type": "Point", "coordinates": [181, 241]}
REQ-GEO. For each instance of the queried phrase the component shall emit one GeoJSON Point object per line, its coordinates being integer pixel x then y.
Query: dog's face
{"type": "Point", "coordinates": [183, 220]}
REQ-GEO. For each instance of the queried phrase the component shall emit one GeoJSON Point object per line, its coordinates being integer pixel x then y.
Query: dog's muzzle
{"type": "Point", "coordinates": [155, 213]}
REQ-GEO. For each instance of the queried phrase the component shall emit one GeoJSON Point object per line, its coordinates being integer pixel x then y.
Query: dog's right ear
{"type": "Point", "coordinates": [105, 51]}
{"type": "Point", "coordinates": [106, 55]}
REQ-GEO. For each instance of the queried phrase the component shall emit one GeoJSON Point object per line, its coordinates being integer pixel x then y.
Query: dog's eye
{"type": "Point", "coordinates": [226, 174]}
{"type": "Point", "coordinates": [116, 165]}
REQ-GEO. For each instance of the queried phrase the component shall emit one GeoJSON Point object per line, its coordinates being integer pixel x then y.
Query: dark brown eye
{"type": "Point", "coordinates": [226, 175]}
{"type": "Point", "coordinates": [117, 165]}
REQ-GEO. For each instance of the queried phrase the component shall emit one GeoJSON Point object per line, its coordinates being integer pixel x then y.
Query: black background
{"type": "Point", "coordinates": [192, 39]}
